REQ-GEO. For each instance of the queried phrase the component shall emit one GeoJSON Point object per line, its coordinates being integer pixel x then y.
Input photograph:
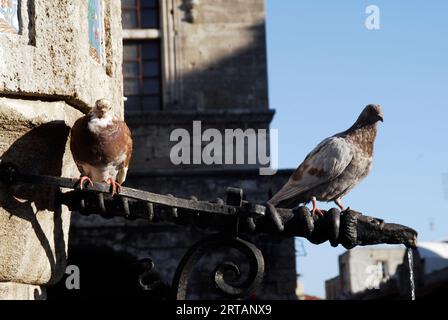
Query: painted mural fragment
{"type": "Point", "coordinates": [9, 19]}
{"type": "Point", "coordinates": [95, 20]}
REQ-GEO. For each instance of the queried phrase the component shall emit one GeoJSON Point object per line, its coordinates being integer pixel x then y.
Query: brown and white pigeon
{"type": "Point", "coordinates": [334, 167]}
{"type": "Point", "coordinates": [101, 145]}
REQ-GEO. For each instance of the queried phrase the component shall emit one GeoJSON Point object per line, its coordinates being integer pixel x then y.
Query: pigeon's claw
{"type": "Point", "coordinates": [339, 204]}
{"type": "Point", "coordinates": [118, 186]}
{"type": "Point", "coordinates": [114, 186]}
{"type": "Point", "coordinates": [83, 180]}
{"type": "Point", "coordinates": [315, 209]}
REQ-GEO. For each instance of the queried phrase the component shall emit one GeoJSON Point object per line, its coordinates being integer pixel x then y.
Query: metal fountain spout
{"type": "Point", "coordinates": [349, 228]}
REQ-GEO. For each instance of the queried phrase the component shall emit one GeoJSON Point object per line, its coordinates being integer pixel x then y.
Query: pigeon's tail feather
{"type": "Point", "coordinates": [288, 197]}
{"type": "Point", "coordinates": [121, 176]}
{"type": "Point", "coordinates": [289, 203]}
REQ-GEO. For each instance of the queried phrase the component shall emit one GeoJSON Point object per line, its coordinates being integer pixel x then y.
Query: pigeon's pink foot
{"type": "Point", "coordinates": [339, 204]}
{"type": "Point", "coordinates": [118, 186]}
{"type": "Point", "coordinates": [83, 179]}
{"type": "Point", "coordinates": [315, 209]}
{"type": "Point", "coordinates": [114, 185]}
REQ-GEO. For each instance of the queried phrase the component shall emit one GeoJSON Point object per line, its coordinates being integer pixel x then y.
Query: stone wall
{"type": "Point", "coordinates": [215, 55]}
{"type": "Point", "coordinates": [214, 70]}
{"type": "Point", "coordinates": [223, 55]}
{"type": "Point", "coordinates": [356, 275]}
{"type": "Point", "coordinates": [151, 135]}
{"type": "Point", "coordinates": [49, 58]}
{"type": "Point", "coordinates": [47, 80]}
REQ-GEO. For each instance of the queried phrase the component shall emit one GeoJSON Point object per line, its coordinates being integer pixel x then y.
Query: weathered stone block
{"type": "Point", "coordinates": [50, 58]}
{"type": "Point", "coordinates": [33, 228]}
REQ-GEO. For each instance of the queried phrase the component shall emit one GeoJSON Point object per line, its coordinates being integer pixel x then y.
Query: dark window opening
{"type": "Point", "coordinates": [384, 269]}
{"type": "Point", "coordinates": [142, 75]}
{"type": "Point", "coordinates": [140, 14]}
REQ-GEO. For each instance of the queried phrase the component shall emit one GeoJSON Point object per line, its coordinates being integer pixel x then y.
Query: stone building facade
{"type": "Point", "coordinates": [364, 268]}
{"type": "Point", "coordinates": [384, 273]}
{"type": "Point", "coordinates": [181, 61]}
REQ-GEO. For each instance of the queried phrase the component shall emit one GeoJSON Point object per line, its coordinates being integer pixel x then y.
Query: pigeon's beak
{"type": "Point", "coordinates": [102, 112]}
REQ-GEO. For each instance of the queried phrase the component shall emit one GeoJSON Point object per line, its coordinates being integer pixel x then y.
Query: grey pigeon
{"type": "Point", "coordinates": [334, 167]}
{"type": "Point", "coordinates": [101, 146]}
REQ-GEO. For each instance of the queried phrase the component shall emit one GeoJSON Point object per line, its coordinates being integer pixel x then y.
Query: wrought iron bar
{"type": "Point", "coordinates": [11, 175]}
{"type": "Point", "coordinates": [348, 228]}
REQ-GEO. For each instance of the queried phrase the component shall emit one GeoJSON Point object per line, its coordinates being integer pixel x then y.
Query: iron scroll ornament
{"type": "Point", "coordinates": [251, 282]}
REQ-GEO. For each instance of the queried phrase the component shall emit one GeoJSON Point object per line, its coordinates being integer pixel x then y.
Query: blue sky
{"type": "Point", "coordinates": [325, 66]}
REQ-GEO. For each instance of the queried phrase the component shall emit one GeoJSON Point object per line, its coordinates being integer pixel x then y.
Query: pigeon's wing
{"type": "Point", "coordinates": [122, 172]}
{"type": "Point", "coordinates": [326, 162]}
{"type": "Point", "coordinates": [79, 136]}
